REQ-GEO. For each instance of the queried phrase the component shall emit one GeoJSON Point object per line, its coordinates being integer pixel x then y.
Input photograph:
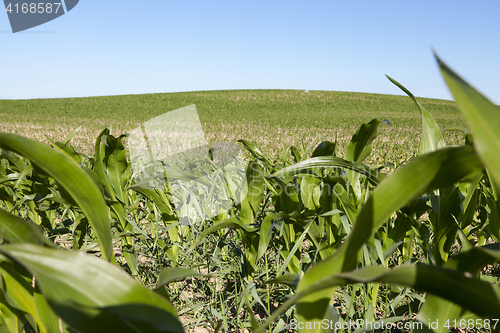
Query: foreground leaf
{"type": "Point", "coordinates": [71, 178]}
{"type": "Point", "coordinates": [445, 283]}
{"type": "Point", "coordinates": [19, 293]}
{"type": "Point", "coordinates": [92, 295]}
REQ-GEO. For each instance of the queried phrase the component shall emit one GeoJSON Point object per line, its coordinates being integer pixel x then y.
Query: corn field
{"type": "Point", "coordinates": [322, 241]}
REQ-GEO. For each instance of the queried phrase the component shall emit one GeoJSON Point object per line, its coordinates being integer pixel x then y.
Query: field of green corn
{"type": "Point", "coordinates": [361, 214]}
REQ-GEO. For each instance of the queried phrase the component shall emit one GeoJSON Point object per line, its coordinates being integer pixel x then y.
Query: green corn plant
{"type": "Point", "coordinates": [433, 170]}
{"type": "Point", "coordinates": [82, 295]}
{"type": "Point", "coordinates": [304, 190]}
{"type": "Point", "coordinates": [111, 171]}
{"type": "Point", "coordinates": [446, 217]}
{"type": "Point", "coordinates": [158, 202]}
{"type": "Point", "coordinates": [297, 198]}
{"type": "Point", "coordinates": [29, 189]}
{"type": "Point", "coordinates": [358, 149]}
{"type": "Point", "coordinates": [250, 208]}
{"type": "Point", "coordinates": [317, 190]}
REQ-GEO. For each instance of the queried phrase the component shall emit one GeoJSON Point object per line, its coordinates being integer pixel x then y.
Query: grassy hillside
{"type": "Point", "coordinates": [273, 119]}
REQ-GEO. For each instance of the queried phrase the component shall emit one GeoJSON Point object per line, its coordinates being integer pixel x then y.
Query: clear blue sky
{"type": "Point", "coordinates": [133, 47]}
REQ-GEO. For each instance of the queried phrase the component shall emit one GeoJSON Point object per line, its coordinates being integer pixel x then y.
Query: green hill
{"type": "Point", "coordinates": [273, 119]}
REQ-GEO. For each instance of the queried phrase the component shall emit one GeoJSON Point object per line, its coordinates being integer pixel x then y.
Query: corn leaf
{"type": "Point", "coordinates": [17, 230]}
{"type": "Point", "coordinates": [482, 117]}
{"type": "Point", "coordinates": [117, 167]}
{"type": "Point", "coordinates": [432, 139]}
{"type": "Point", "coordinates": [171, 274]}
{"type": "Point", "coordinates": [309, 165]}
{"type": "Point", "coordinates": [231, 222]}
{"type": "Point", "coordinates": [448, 284]}
{"type": "Point", "coordinates": [92, 295]}
{"type": "Point", "coordinates": [361, 144]}
{"type": "Point", "coordinates": [71, 178]}
{"type": "Point", "coordinates": [250, 205]}
{"type": "Point", "coordinates": [19, 292]}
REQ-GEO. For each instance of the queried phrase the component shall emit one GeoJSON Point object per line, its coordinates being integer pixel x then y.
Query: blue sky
{"type": "Point", "coordinates": [134, 47]}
